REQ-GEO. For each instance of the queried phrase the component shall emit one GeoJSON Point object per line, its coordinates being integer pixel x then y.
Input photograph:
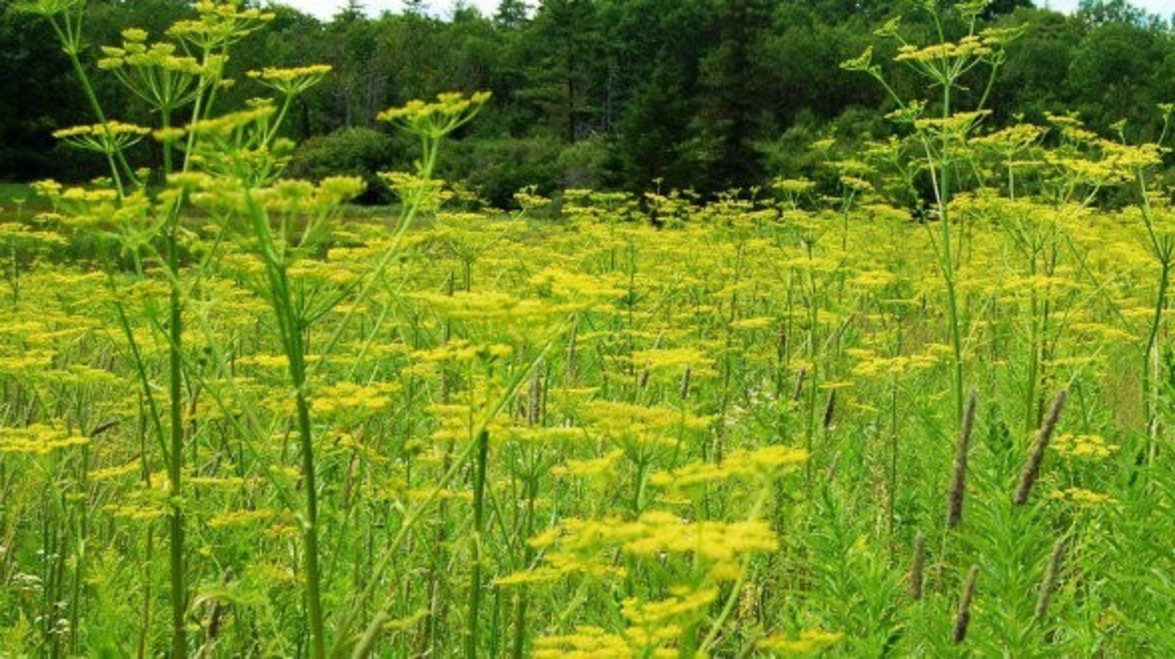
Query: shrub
{"type": "Point", "coordinates": [350, 151]}
{"type": "Point", "coordinates": [497, 168]}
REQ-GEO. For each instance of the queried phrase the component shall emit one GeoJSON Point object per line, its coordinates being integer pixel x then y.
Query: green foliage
{"type": "Point", "coordinates": [1115, 73]}
{"type": "Point", "coordinates": [11, 193]}
{"type": "Point", "coordinates": [497, 168]}
{"type": "Point", "coordinates": [236, 421]}
{"type": "Point", "coordinates": [684, 92]}
{"type": "Point", "coordinates": [357, 151]}
{"type": "Point", "coordinates": [35, 98]}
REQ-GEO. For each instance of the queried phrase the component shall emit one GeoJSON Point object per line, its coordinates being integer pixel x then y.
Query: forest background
{"type": "Point", "coordinates": [636, 95]}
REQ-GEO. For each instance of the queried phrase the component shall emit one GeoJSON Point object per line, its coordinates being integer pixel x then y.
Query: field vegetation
{"type": "Point", "coordinates": [239, 419]}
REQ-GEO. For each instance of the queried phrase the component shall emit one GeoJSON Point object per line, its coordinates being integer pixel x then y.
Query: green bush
{"type": "Point", "coordinates": [351, 151]}
{"type": "Point", "coordinates": [585, 164]}
{"type": "Point", "coordinates": [497, 168]}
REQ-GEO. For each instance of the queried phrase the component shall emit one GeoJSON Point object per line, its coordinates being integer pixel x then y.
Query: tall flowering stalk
{"type": "Point", "coordinates": [169, 76]}
{"type": "Point", "coordinates": [1161, 243]}
{"type": "Point", "coordinates": [943, 139]}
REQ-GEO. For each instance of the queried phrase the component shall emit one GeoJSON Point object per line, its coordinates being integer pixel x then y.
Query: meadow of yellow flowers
{"type": "Point", "coordinates": [236, 420]}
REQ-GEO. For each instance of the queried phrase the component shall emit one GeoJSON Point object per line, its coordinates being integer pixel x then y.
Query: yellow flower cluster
{"type": "Point", "coordinates": [1093, 447]}
{"type": "Point", "coordinates": [640, 424]}
{"type": "Point", "coordinates": [291, 81]}
{"type": "Point", "coordinates": [427, 194]}
{"type": "Point", "coordinates": [136, 54]}
{"type": "Point", "coordinates": [658, 623]}
{"type": "Point", "coordinates": [242, 518]}
{"type": "Point", "coordinates": [766, 462]}
{"type": "Point", "coordinates": [591, 468]}
{"type": "Point", "coordinates": [672, 359]}
{"type": "Point", "coordinates": [1012, 139]}
{"type": "Point", "coordinates": [585, 642]}
{"type": "Point", "coordinates": [111, 473]}
{"type": "Point", "coordinates": [352, 399]}
{"type": "Point", "coordinates": [47, 7]}
{"type": "Point", "coordinates": [809, 641]}
{"type": "Point", "coordinates": [658, 532]}
{"type": "Point", "coordinates": [448, 104]}
{"type": "Point", "coordinates": [955, 126]}
{"type": "Point", "coordinates": [219, 24]}
{"type": "Point", "coordinates": [37, 439]}
{"type": "Point", "coordinates": [793, 186]}
{"type": "Point", "coordinates": [970, 46]}
{"type": "Point", "coordinates": [437, 118]}
{"type": "Point", "coordinates": [1082, 497]}
{"type": "Point", "coordinates": [491, 307]}
{"type": "Point", "coordinates": [305, 198]}
{"type": "Point", "coordinates": [577, 285]}
{"type": "Point", "coordinates": [872, 365]}
{"type": "Point", "coordinates": [108, 137]}
{"type": "Point", "coordinates": [233, 123]}
{"type": "Point", "coordinates": [462, 351]}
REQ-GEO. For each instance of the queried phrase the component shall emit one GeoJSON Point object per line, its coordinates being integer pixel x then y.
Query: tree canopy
{"type": "Point", "coordinates": [628, 94]}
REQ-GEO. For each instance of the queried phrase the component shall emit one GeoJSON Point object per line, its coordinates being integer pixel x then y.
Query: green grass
{"type": "Point", "coordinates": [14, 193]}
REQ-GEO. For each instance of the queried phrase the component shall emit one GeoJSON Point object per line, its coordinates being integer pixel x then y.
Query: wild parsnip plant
{"type": "Point", "coordinates": [236, 421]}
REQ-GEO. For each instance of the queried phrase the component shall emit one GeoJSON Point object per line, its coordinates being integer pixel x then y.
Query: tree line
{"type": "Point", "coordinates": [613, 94]}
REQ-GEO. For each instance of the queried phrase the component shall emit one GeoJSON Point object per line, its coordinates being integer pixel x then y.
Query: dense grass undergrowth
{"type": "Point", "coordinates": [786, 421]}
{"type": "Point", "coordinates": [15, 193]}
{"type": "Point", "coordinates": [600, 430]}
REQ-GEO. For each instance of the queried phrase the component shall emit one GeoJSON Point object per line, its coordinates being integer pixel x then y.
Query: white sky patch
{"type": "Point", "coordinates": [1164, 8]}
{"type": "Point", "coordinates": [324, 9]}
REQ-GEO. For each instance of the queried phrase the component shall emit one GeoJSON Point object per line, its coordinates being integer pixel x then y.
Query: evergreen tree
{"type": "Point", "coordinates": [353, 10]}
{"type": "Point", "coordinates": [731, 86]}
{"type": "Point", "coordinates": [511, 14]}
{"type": "Point", "coordinates": [30, 57]}
{"type": "Point", "coordinates": [569, 57]}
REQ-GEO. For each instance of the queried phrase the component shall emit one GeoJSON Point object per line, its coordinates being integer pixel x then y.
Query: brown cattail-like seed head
{"type": "Point", "coordinates": [1049, 583]}
{"type": "Point", "coordinates": [917, 567]}
{"type": "Point", "coordinates": [963, 616]}
{"type": "Point", "coordinates": [959, 481]}
{"type": "Point", "coordinates": [101, 428]}
{"type": "Point", "coordinates": [799, 388]}
{"type": "Point", "coordinates": [830, 410]}
{"type": "Point", "coordinates": [683, 390]}
{"type": "Point", "coordinates": [1032, 468]}
{"type": "Point", "coordinates": [644, 379]}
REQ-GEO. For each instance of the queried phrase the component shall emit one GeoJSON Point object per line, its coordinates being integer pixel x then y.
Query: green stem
{"type": "Point", "coordinates": [310, 526]}
{"type": "Point", "coordinates": [479, 482]}
{"type": "Point", "coordinates": [291, 333]}
{"type": "Point", "coordinates": [1030, 419]}
{"type": "Point", "coordinates": [175, 461]}
{"type": "Point", "coordinates": [411, 517]}
{"type": "Point", "coordinates": [732, 599]}
{"type": "Point", "coordinates": [519, 645]}
{"type": "Point", "coordinates": [948, 261]}
{"type": "Point", "coordinates": [1148, 393]}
